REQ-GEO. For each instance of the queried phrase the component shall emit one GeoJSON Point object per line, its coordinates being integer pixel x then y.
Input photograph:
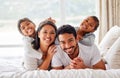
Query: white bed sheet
{"type": "Point", "coordinates": [10, 64]}
{"type": "Point", "coordinates": [11, 67]}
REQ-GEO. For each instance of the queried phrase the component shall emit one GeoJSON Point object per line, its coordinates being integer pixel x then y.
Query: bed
{"type": "Point", "coordinates": [11, 66]}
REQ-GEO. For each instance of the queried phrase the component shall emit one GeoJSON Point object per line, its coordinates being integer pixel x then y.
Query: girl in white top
{"type": "Point", "coordinates": [44, 43]}
{"type": "Point", "coordinates": [27, 28]}
{"type": "Point", "coordinates": [85, 31]}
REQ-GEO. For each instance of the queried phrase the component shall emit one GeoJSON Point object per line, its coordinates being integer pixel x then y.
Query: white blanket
{"type": "Point", "coordinates": [11, 68]}
{"type": "Point", "coordinates": [82, 73]}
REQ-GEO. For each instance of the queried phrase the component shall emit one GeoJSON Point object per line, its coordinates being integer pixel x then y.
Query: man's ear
{"type": "Point", "coordinates": [77, 40]}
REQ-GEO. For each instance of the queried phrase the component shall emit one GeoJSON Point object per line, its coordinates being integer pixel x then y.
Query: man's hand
{"type": "Point", "coordinates": [77, 63]}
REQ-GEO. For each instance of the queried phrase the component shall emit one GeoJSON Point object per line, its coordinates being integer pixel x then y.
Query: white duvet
{"type": "Point", "coordinates": [82, 73]}
{"type": "Point", "coordinates": [11, 68]}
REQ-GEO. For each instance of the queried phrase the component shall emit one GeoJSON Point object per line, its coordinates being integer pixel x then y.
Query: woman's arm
{"type": "Point", "coordinates": [47, 60]}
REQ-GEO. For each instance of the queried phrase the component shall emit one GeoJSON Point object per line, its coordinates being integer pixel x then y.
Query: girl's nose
{"type": "Point", "coordinates": [48, 35]}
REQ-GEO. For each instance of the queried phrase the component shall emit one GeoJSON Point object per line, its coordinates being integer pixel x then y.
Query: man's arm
{"type": "Point", "coordinates": [78, 63]}
{"type": "Point", "coordinates": [97, 62]}
{"type": "Point", "coordinates": [99, 65]}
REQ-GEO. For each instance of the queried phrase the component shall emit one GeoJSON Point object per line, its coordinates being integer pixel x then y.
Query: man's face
{"type": "Point", "coordinates": [68, 43]}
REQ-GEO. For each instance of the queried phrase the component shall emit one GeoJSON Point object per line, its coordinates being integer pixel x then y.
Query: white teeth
{"type": "Point", "coordinates": [69, 49]}
{"type": "Point", "coordinates": [48, 39]}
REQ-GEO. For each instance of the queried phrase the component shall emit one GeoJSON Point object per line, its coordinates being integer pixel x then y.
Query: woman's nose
{"type": "Point", "coordinates": [48, 35]}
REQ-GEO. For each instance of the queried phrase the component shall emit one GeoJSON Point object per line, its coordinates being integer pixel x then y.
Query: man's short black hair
{"type": "Point", "coordinates": [66, 29]}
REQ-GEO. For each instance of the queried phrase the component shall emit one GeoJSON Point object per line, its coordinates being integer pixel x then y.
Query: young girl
{"type": "Point", "coordinates": [27, 28]}
{"type": "Point", "coordinates": [45, 37]}
{"type": "Point", "coordinates": [85, 31]}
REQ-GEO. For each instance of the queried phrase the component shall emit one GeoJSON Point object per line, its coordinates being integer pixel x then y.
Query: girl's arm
{"type": "Point", "coordinates": [88, 39]}
{"type": "Point", "coordinates": [29, 49]}
{"type": "Point", "coordinates": [30, 63]}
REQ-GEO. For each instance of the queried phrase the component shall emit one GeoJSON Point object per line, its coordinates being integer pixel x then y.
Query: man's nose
{"type": "Point", "coordinates": [67, 45]}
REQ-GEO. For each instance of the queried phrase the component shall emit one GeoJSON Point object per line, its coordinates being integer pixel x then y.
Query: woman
{"type": "Point", "coordinates": [44, 42]}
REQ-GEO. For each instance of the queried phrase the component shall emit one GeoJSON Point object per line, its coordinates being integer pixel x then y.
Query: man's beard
{"type": "Point", "coordinates": [72, 47]}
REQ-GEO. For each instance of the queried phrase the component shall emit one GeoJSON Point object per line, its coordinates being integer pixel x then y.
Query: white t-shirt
{"type": "Point", "coordinates": [88, 39]}
{"type": "Point", "coordinates": [32, 57]}
{"type": "Point", "coordinates": [31, 63]}
{"type": "Point", "coordinates": [29, 49]}
{"type": "Point", "coordinates": [89, 54]}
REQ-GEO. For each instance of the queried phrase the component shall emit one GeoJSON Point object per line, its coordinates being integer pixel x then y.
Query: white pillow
{"type": "Point", "coordinates": [110, 37]}
{"type": "Point", "coordinates": [112, 57]}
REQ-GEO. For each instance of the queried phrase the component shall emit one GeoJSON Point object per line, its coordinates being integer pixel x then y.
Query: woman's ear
{"type": "Point", "coordinates": [38, 34]}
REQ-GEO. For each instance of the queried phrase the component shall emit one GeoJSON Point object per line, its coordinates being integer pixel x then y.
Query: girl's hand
{"type": "Point", "coordinates": [52, 20]}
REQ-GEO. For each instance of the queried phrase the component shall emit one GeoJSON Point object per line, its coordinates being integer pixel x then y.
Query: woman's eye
{"type": "Point", "coordinates": [52, 32]}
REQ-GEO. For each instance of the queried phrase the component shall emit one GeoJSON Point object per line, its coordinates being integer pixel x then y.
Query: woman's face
{"type": "Point", "coordinates": [47, 35]}
{"type": "Point", "coordinates": [27, 28]}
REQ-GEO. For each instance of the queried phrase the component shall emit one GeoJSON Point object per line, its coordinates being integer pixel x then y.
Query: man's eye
{"type": "Point", "coordinates": [70, 40]}
{"type": "Point", "coordinates": [62, 43]}
{"type": "Point", "coordinates": [45, 32]}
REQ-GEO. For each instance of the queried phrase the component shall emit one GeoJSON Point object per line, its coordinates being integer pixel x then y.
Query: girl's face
{"type": "Point", "coordinates": [47, 35]}
{"type": "Point", "coordinates": [27, 28]}
{"type": "Point", "coordinates": [88, 25]}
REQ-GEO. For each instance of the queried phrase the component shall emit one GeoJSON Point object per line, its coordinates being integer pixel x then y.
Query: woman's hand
{"type": "Point", "coordinates": [51, 50]}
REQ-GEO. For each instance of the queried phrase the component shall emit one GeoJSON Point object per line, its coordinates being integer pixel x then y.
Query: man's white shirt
{"type": "Point", "coordinates": [89, 54]}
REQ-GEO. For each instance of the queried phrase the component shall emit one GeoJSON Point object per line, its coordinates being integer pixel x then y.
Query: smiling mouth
{"type": "Point", "coordinates": [48, 40]}
{"type": "Point", "coordinates": [68, 50]}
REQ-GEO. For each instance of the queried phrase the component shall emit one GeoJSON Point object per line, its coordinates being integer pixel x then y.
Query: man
{"type": "Point", "coordinates": [73, 55]}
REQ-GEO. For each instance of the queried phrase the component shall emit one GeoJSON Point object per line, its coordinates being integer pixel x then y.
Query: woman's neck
{"type": "Point", "coordinates": [44, 48]}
